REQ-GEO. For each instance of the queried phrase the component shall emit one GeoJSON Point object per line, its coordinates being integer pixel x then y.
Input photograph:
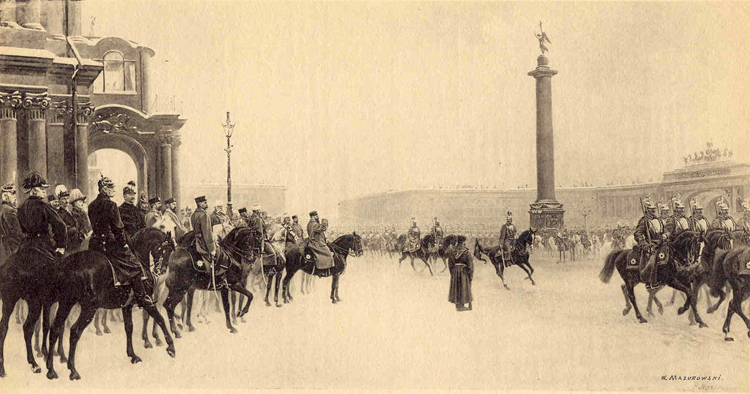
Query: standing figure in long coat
{"type": "Point", "coordinates": [461, 266]}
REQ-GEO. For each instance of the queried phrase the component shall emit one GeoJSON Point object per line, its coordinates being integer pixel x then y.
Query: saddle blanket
{"type": "Point", "coordinates": [321, 255]}
{"type": "Point", "coordinates": [744, 262]}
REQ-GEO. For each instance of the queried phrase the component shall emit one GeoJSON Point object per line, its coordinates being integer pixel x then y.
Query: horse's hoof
{"type": "Point", "coordinates": [649, 314]}
{"type": "Point", "coordinates": [99, 333]}
{"type": "Point", "coordinates": [711, 310]}
{"type": "Point", "coordinates": [728, 339]}
{"type": "Point", "coordinates": [233, 330]}
{"type": "Point", "coordinates": [147, 345]}
{"type": "Point", "coordinates": [268, 303]}
{"type": "Point", "coordinates": [625, 311]}
{"type": "Point", "coordinates": [191, 328]}
{"type": "Point", "coordinates": [74, 375]}
{"type": "Point", "coordinates": [36, 369]}
{"type": "Point", "coordinates": [40, 355]}
{"type": "Point", "coordinates": [642, 320]}
{"type": "Point", "coordinates": [278, 305]}
{"type": "Point", "coordinates": [159, 342]}
{"type": "Point", "coordinates": [2, 372]}
{"type": "Point", "coordinates": [533, 283]}
{"type": "Point", "coordinates": [135, 359]}
{"type": "Point", "coordinates": [178, 335]}
{"type": "Point", "coordinates": [52, 375]}
{"type": "Point", "coordinates": [171, 351]}
{"type": "Point", "coordinates": [703, 325]}
{"type": "Point", "coordinates": [63, 360]}
{"type": "Point", "coordinates": [661, 310]}
{"type": "Point", "coordinates": [333, 301]}
{"type": "Point", "coordinates": [681, 311]}
{"type": "Point", "coordinates": [107, 331]}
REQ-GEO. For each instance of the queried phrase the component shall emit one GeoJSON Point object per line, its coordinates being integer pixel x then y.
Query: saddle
{"type": "Point", "coordinates": [310, 255]}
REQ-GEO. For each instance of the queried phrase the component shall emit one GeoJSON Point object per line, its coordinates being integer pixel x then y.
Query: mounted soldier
{"type": "Point", "coordinates": [297, 229]}
{"type": "Point", "coordinates": [205, 244]}
{"type": "Point", "coordinates": [130, 214]}
{"type": "Point", "coordinates": [74, 236]}
{"type": "Point", "coordinates": [37, 217]}
{"type": "Point", "coordinates": [437, 235]}
{"type": "Point", "coordinates": [258, 228]}
{"type": "Point", "coordinates": [677, 223]}
{"type": "Point", "coordinates": [52, 200]}
{"type": "Point", "coordinates": [154, 217]}
{"type": "Point", "coordinates": [316, 242]}
{"type": "Point", "coordinates": [109, 239]}
{"type": "Point", "coordinates": [744, 222]}
{"type": "Point", "coordinates": [171, 215]}
{"type": "Point", "coordinates": [697, 221]}
{"type": "Point", "coordinates": [508, 234]}
{"type": "Point", "coordinates": [725, 222]}
{"type": "Point", "coordinates": [242, 218]}
{"type": "Point", "coordinates": [78, 200]}
{"type": "Point", "coordinates": [10, 230]}
{"type": "Point", "coordinates": [414, 237]}
{"type": "Point", "coordinates": [143, 205]}
{"type": "Point", "coordinates": [649, 234]}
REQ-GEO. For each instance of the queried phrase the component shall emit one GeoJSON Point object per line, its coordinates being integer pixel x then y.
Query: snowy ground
{"type": "Point", "coordinates": [395, 330]}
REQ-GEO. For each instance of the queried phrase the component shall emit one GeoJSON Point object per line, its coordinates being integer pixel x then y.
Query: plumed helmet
{"type": "Point", "coordinates": [33, 180]}
{"type": "Point", "coordinates": [105, 183]}
{"type": "Point", "coordinates": [746, 206]}
{"type": "Point", "coordinates": [664, 207]}
{"type": "Point", "coordinates": [9, 188]}
{"type": "Point", "coordinates": [723, 207]}
{"type": "Point", "coordinates": [61, 191]}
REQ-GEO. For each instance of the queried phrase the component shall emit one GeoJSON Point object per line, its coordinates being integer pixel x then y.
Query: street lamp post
{"type": "Point", "coordinates": [228, 130]}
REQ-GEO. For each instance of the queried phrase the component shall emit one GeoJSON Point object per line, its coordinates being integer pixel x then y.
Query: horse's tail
{"type": "Point", "coordinates": [609, 266]}
{"type": "Point", "coordinates": [718, 278]}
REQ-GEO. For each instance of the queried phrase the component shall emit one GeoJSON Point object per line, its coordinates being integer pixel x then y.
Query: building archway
{"type": "Point", "coordinates": [130, 147]}
{"type": "Point", "coordinates": [708, 199]}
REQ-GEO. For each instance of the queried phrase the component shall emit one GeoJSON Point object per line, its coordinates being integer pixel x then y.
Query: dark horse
{"type": "Point", "coordinates": [87, 278]}
{"type": "Point", "coordinates": [519, 255]}
{"type": "Point", "coordinates": [680, 254]}
{"type": "Point", "coordinates": [732, 266]}
{"type": "Point", "coordinates": [341, 246]}
{"type": "Point", "coordinates": [435, 251]}
{"type": "Point", "coordinates": [26, 274]}
{"type": "Point", "coordinates": [421, 253]}
{"type": "Point", "coordinates": [234, 256]}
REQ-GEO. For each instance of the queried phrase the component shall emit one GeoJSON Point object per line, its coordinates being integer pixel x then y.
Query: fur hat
{"type": "Point", "coordinates": [154, 200]}
{"type": "Point", "coordinates": [129, 189]}
{"type": "Point", "coordinates": [33, 180]}
{"type": "Point", "coordinates": [76, 195]}
{"type": "Point", "coordinates": [169, 200]}
{"type": "Point", "coordinates": [61, 191]}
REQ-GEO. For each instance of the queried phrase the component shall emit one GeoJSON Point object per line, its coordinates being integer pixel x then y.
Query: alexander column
{"type": "Point", "coordinates": [546, 212]}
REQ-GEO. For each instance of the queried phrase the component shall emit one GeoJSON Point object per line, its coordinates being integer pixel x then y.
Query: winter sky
{"type": "Point", "coordinates": [339, 100]}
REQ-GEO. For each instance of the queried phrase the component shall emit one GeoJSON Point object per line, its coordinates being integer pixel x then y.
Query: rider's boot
{"type": "Point", "coordinates": [139, 290]}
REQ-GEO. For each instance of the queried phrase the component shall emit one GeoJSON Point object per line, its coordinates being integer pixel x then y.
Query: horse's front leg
{"type": "Point", "coordinates": [278, 285]}
{"type": "Point", "coordinates": [628, 306]}
{"type": "Point", "coordinates": [127, 314]}
{"type": "Point", "coordinates": [267, 276]}
{"type": "Point", "coordinates": [225, 302]}
{"type": "Point", "coordinates": [144, 331]}
{"type": "Point", "coordinates": [238, 287]}
{"type": "Point", "coordinates": [334, 284]}
{"type": "Point", "coordinates": [689, 302]}
{"type": "Point", "coordinates": [523, 267]}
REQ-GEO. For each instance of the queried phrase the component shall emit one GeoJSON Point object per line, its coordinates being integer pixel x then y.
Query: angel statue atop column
{"type": "Point", "coordinates": [542, 38]}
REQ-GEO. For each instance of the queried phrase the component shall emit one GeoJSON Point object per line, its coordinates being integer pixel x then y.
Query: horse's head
{"type": "Point", "coordinates": [163, 250]}
{"type": "Point", "coordinates": [716, 239]}
{"type": "Point", "coordinates": [239, 244]}
{"type": "Point", "coordinates": [357, 241]}
{"type": "Point", "coordinates": [349, 242]}
{"type": "Point", "coordinates": [688, 246]}
{"type": "Point", "coordinates": [526, 238]}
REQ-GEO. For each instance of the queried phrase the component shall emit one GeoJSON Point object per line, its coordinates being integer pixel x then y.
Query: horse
{"type": "Point", "coordinates": [519, 255]}
{"type": "Point", "coordinates": [87, 278]}
{"type": "Point", "coordinates": [159, 247]}
{"type": "Point", "coordinates": [26, 274]}
{"type": "Point", "coordinates": [234, 255]}
{"type": "Point", "coordinates": [732, 266]}
{"type": "Point", "coordinates": [435, 251]}
{"type": "Point", "coordinates": [272, 264]}
{"type": "Point", "coordinates": [295, 261]}
{"type": "Point", "coordinates": [421, 253]}
{"type": "Point", "coordinates": [683, 249]}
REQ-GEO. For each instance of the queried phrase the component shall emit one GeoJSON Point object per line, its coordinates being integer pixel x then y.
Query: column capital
{"type": "Point", "coordinates": [63, 109]}
{"type": "Point", "coordinates": [36, 100]}
{"type": "Point", "coordinates": [176, 140]}
{"type": "Point", "coordinates": [166, 139]}
{"type": "Point", "coordinates": [13, 100]}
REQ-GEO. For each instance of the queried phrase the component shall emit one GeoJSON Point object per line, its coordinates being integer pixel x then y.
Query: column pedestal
{"type": "Point", "coordinates": [29, 14]}
{"type": "Point", "coordinates": [546, 212]}
{"type": "Point", "coordinates": [8, 13]}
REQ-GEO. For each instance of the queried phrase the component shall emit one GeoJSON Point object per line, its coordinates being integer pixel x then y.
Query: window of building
{"type": "Point", "coordinates": [118, 75]}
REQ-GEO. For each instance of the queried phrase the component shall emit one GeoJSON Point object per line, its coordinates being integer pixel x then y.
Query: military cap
{"type": "Point", "coordinates": [52, 197]}
{"type": "Point", "coordinates": [129, 188]}
{"type": "Point", "coordinates": [169, 200]}
{"type": "Point", "coordinates": [154, 200]}
{"type": "Point", "coordinates": [61, 191]}
{"type": "Point", "coordinates": [76, 195]}
{"type": "Point", "coordinates": [242, 210]}
{"type": "Point", "coordinates": [200, 199]}
{"type": "Point", "coordinates": [294, 217]}
{"type": "Point", "coordinates": [313, 213]}
{"type": "Point", "coordinates": [34, 179]}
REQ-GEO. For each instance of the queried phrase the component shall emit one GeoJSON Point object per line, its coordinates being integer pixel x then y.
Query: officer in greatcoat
{"type": "Point", "coordinates": [130, 214]}
{"type": "Point", "coordinates": [508, 237]}
{"type": "Point", "coordinates": [204, 237]}
{"type": "Point", "coordinates": [153, 217]}
{"type": "Point", "coordinates": [37, 217]}
{"type": "Point", "coordinates": [109, 239]}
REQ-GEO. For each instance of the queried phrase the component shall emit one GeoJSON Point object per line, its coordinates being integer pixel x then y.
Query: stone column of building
{"type": "Point", "coordinates": [36, 105]}
{"type": "Point", "coordinates": [74, 19]}
{"type": "Point", "coordinates": [56, 170]}
{"type": "Point", "coordinates": [176, 142]}
{"type": "Point", "coordinates": [53, 17]}
{"type": "Point", "coordinates": [29, 14]}
{"type": "Point", "coordinates": [546, 211]}
{"type": "Point", "coordinates": [147, 99]}
{"type": "Point", "coordinates": [165, 187]}
{"type": "Point", "coordinates": [82, 146]}
{"type": "Point", "coordinates": [8, 13]}
{"type": "Point", "coordinates": [9, 102]}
